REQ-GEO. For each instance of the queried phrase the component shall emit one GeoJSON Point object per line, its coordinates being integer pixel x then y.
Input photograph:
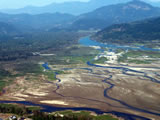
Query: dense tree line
{"type": "Point", "coordinates": [8, 108]}
{"type": "Point", "coordinates": [4, 73]}
{"type": "Point", "coordinates": [37, 114]}
{"type": "Point", "coordinates": [22, 46]}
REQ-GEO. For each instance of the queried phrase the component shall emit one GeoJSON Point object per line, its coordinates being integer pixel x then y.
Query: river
{"type": "Point", "coordinates": [87, 42]}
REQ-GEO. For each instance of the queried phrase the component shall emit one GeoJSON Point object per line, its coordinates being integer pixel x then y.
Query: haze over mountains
{"type": "Point", "coordinates": [112, 21]}
{"type": "Point", "coordinates": [95, 20]}
{"type": "Point", "coordinates": [74, 7]}
{"type": "Point", "coordinates": [114, 14]}
{"type": "Point", "coordinates": [40, 21]}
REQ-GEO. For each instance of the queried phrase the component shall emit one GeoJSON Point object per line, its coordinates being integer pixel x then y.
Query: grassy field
{"type": "Point", "coordinates": [100, 60]}
{"type": "Point", "coordinates": [73, 55]}
{"type": "Point", "coordinates": [51, 75]}
{"type": "Point", "coordinates": [3, 78]}
{"type": "Point", "coordinates": [119, 50]}
{"type": "Point", "coordinates": [69, 60]}
{"type": "Point", "coordinates": [138, 57]}
{"type": "Point", "coordinates": [78, 59]}
{"type": "Point", "coordinates": [150, 54]}
{"type": "Point", "coordinates": [139, 61]}
{"type": "Point", "coordinates": [70, 56]}
{"type": "Point", "coordinates": [2, 85]}
{"type": "Point", "coordinates": [28, 67]}
{"type": "Point", "coordinates": [82, 51]}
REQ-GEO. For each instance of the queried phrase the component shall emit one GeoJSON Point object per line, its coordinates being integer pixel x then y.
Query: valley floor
{"type": "Point", "coordinates": [81, 87]}
{"type": "Point", "coordinates": [109, 86]}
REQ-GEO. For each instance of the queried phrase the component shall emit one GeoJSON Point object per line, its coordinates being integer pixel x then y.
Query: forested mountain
{"type": "Point", "coordinates": [114, 14]}
{"type": "Point", "coordinates": [40, 21]}
{"type": "Point", "coordinates": [74, 7]}
{"type": "Point", "coordinates": [7, 29]}
{"type": "Point", "coordinates": [98, 19]}
{"type": "Point", "coordinates": [13, 47]}
{"type": "Point", "coordinates": [135, 32]}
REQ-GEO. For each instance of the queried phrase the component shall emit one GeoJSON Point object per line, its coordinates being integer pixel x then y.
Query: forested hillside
{"type": "Point", "coordinates": [27, 22]}
{"type": "Point", "coordinates": [70, 7]}
{"type": "Point", "coordinates": [135, 32]}
{"type": "Point", "coordinates": [23, 45]}
{"type": "Point", "coordinates": [114, 14]}
{"type": "Point", "coordinates": [6, 29]}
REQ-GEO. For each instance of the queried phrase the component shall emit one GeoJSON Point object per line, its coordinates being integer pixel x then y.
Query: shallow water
{"type": "Point", "coordinates": [87, 42]}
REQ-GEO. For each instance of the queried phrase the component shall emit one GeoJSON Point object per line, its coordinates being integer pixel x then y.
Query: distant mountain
{"type": "Point", "coordinates": [114, 14]}
{"type": "Point", "coordinates": [40, 21]}
{"type": "Point", "coordinates": [135, 32]}
{"type": "Point", "coordinates": [75, 8]}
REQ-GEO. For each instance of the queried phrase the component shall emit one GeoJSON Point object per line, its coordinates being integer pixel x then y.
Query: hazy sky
{"type": "Point", "coordinates": [22, 3]}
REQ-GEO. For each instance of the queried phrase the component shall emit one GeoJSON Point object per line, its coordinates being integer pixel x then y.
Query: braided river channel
{"type": "Point", "coordinates": [86, 41]}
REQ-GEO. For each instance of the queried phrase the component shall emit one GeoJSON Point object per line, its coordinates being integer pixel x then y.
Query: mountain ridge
{"type": "Point", "coordinates": [40, 21]}
{"type": "Point", "coordinates": [114, 14]}
{"type": "Point", "coordinates": [75, 7]}
{"type": "Point", "coordinates": [134, 32]}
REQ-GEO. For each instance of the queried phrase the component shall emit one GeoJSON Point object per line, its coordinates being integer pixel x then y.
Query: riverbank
{"type": "Point", "coordinates": [128, 91]}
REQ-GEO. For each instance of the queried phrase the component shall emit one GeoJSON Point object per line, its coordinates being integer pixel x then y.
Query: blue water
{"type": "Point", "coordinates": [86, 41]}
{"type": "Point", "coordinates": [113, 85]}
{"type": "Point", "coordinates": [45, 65]}
{"type": "Point", "coordinates": [47, 108]}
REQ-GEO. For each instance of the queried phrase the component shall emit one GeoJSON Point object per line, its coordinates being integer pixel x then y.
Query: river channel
{"type": "Point", "coordinates": [86, 41]}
